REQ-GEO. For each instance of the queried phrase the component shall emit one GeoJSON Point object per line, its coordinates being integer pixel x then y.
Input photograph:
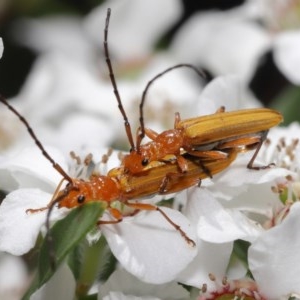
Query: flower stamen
{"type": "Point", "coordinates": [230, 289]}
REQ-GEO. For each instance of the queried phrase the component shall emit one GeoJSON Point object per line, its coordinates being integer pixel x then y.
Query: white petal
{"type": "Point", "coordinates": [216, 224]}
{"type": "Point", "coordinates": [49, 34]}
{"type": "Point", "coordinates": [20, 171]}
{"type": "Point", "coordinates": [145, 244]}
{"type": "Point", "coordinates": [19, 230]}
{"type": "Point", "coordinates": [258, 198]}
{"type": "Point", "coordinates": [75, 129]}
{"type": "Point", "coordinates": [238, 174]}
{"type": "Point", "coordinates": [134, 26]}
{"type": "Point", "coordinates": [286, 54]}
{"type": "Point", "coordinates": [61, 286]}
{"type": "Point", "coordinates": [60, 87]}
{"type": "Point", "coordinates": [226, 91]}
{"type": "Point", "coordinates": [222, 43]}
{"type": "Point", "coordinates": [125, 283]}
{"type": "Point", "coordinates": [179, 87]}
{"type": "Point", "coordinates": [211, 258]}
{"type": "Point", "coordinates": [274, 256]}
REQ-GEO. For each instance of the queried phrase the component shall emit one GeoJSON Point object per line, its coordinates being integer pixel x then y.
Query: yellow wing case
{"type": "Point", "coordinates": [223, 125]}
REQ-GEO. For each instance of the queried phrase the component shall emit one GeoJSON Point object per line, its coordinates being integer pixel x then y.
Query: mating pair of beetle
{"type": "Point", "coordinates": [172, 161]}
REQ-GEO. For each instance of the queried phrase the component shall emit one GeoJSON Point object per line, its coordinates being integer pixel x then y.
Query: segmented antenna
{"type": "Point", "coordinates": [114, 84]}
{"type": "Point", "coordinates": [55, 165]}
{"type": "Point", "coordinates": [142, 125]}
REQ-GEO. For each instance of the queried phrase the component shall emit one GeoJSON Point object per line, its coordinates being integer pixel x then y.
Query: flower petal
{"type": "Point", "coordinates": [274, 256]}
{"type": "Point", "coordinates": [215, 223]}
{"type": "Point", "coordinates": [19, 230]}
{"type": "Point", "coordinates": [211, 258]}
{"type": "Point", "coordinates": [227, 91]}
{"type": "Point", "coordinates": [144, 245]}
{"type": "Point", "coordinates": [286, 54]}
{"type": "Point", "coordinates": [133, 26]}
{"type": "Point", "coordinates": [210, 39]}
{"type": "Point", "coordinates": [19, 171]}
{"type": "Point", "coordinates": [31, 33]}
{"type": "Point", "coordinates": [239, 175]}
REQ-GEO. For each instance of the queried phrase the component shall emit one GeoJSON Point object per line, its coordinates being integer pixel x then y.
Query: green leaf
{"type": "Point", "coordinates": [288, 104]}
{"type": "Point", "coordinates": [66, 234]}
{"type": "Point", "coordinates": [240, 248]}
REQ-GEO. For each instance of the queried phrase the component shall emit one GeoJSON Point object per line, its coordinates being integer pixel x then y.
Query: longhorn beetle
{"type": "Point", "coordinates": [206, 136]}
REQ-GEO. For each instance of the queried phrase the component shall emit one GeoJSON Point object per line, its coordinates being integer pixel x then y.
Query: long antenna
{"type": "Point", "coordinates": [114, 84]}
{"type": "Point", "coordinates": [142, 125]}
{"type": "Point", "coordinates": [55, 165]}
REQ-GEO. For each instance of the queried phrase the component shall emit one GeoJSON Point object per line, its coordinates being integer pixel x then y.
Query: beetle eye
{"type": "Point", "coordinates": [80, 199]}
{"type": "Point", "coordinates": [145, 162]}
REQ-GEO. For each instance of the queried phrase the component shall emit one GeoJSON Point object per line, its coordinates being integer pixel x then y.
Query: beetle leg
{"type": "Point", "coordinates": [53, 200]}
{"type": "Point", "coordinates": [116, 214]}
{"type": "Point", "coordinates": [182, 163]}
{"type": "Point", "coordinates": [144, 206]}
{"type": "Point", "coordinates": [212, 154]}
{"type": "Point", "coordinates": [245, 142]}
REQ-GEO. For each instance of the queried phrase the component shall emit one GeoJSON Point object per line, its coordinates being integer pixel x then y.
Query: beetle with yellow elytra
{"type": "Point", "coordinates": [205, 137]}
